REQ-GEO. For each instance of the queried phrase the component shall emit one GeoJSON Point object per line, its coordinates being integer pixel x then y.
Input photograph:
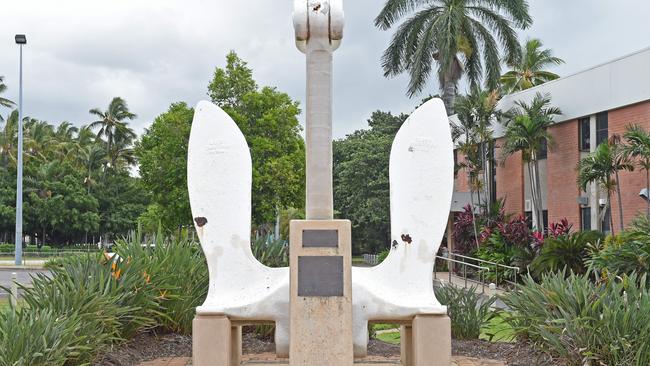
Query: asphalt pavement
{"type": "Point", "coordinates": [24, 277]}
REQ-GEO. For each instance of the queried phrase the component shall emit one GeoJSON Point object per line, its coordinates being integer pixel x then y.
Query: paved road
{"type": "Point", "coordinates": [24, 277]}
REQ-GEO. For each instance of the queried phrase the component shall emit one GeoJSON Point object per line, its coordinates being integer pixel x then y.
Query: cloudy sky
{"type": "Point", "coordinates": [81, 53]}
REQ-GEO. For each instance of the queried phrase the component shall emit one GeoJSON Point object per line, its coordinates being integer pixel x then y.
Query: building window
{"type": "Point", "coordinates": [607, 228]}
{"type": "Point", "coordinates": [529, 217]}
{"type": "Point", "coordinates": [602, 126]}
{"type": "Point", "coordinates": [542, 153]}
{"type": "Point", "coordinates": [585, 218]}
{"type": "Point", "coordinates": [585, 134]}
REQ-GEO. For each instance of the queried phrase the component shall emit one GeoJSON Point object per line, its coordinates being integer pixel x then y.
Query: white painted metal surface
{"type": "Point", "coordinates": [219, 182]}
{"type": "Point", "coordinates": [421, 188]}
{"type": "Point", "coordinates": [319, 29]}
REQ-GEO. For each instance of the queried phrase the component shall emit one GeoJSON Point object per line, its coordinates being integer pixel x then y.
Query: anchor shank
{"type": "Point", "coordinates": [320, 205]}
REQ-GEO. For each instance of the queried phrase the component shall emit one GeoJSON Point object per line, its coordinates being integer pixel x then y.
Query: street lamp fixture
{"type": "Point", "coordinates": [20, 41]}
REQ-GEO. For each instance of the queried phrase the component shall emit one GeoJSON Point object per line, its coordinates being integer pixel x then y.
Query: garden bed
{"type": "Point", "coordinates": [150, 346]}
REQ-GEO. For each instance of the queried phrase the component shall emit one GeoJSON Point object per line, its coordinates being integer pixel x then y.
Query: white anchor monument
{"type": "Point", "coordinates": [320, 305]}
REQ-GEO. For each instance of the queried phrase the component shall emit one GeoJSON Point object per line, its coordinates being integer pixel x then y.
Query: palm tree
{"type": "Point", "coordinates": [638, 146]}
{"type": "Point", "coordinates": [621, 161]}
{"type": "Point", "coordinates": [599, 167]}
{"type": "Point", "coordinates": [530, 68]}
{"type": "Point", "coordinates": [476, 111]}
{"type": "Point", "coordinates": [460, 36]}
{"type": "Point", "coordinates": [113, 126]}
{"type": "Point", "coordinates": [3, 101]}
{"type": "Point", "coordinates": [8, 139]}
{"type": "Point", "coordinates": [527, 132]}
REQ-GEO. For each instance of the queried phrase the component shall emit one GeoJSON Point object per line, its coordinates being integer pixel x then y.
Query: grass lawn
{"type": "Point", "coordinates": [357, 260]}
{"type": "Point", "coordinates": [498, 329]}
{"type": "Point", "coordinates": [392, 338]}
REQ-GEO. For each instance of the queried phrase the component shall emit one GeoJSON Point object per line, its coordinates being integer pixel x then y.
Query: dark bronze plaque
{"type": "Point", "coordinates": [320, 238]}
{"type": "Point", "coordinates": [320, 276]}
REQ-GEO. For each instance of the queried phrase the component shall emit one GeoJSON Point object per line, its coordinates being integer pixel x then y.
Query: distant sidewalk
{"type": "Point", "coordinates": [27, 264]}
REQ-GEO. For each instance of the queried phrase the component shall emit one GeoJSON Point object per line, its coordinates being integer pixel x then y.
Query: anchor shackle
{"type": "Point", "coordinates": [318, 24]}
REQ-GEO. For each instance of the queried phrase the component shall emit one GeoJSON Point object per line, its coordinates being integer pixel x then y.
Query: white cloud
{"type": "Point", "coordinates": [81, 53]}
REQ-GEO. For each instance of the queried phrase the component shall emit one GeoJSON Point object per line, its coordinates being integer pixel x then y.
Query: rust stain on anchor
{"type": "Point", "coordinates": [200, 221]}
{"type": "Point", "coordinates": [407, 238]}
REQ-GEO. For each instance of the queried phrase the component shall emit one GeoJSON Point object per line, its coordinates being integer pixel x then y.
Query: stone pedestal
{"type": "Point", "coordinates": [321, 293]}
{"type": "Point", "coordinates": [215, 341]}
{"type": "Point", "coordinates": [427, 342]}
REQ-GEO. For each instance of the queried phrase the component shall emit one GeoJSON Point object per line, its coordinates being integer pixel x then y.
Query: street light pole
{"type": "Point", "coordinates": [20, 41]}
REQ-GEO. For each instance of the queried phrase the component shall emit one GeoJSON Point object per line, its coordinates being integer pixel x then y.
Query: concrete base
{"type": "Point", "coordinates": [321, 316]}
{"type": "Point", "coordinates": [215, 341]}
{"type": "Point", "coordinates": [428, 343]}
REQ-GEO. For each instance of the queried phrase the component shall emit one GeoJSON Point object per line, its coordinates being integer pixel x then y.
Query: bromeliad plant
{"type": "Point", "coordinates": [468, 311]}
{"type": "Point", "coordinates": [584, 322]}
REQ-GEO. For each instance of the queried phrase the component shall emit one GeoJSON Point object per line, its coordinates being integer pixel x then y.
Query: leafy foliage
{"type": "Point", "coordinates": [361, 187]}
{"type": "Point", "coordinates": [583, 322]}
{"type": "Point", "coordinates": [459, 36]}
{"type": "Point", "coordinates": [91, 302]}
{"type": "Point", "coordinates": [626, 253]}
{"type": "Point", "coordinates": [76, 183]}
{"type": "Point", "coordinates": [269, 121]}
{"type": "Point", "coordinates": [527, 133]}
{"type": "Point", "coordinates": [529, 69]}
{"type": "Point", "coordinates": [566, 251]}
{"type": "Point", "coordinates": [162, 154]}
{"type": "Point", "coordinates": [468, 311]}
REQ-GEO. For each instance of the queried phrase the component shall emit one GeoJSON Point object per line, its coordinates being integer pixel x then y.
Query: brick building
{"type": "Point", "coordinates": [595, 103]}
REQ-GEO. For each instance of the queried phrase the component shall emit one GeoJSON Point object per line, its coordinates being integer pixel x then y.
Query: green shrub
{"type": "Point", "coordinates": [566, 251]}
{"type": "Point", "coordinates": [382, 255]}
{"type": "Point", "coordinates": [582, 322]}
{"type": "Point", "coordinates": [177, 270]}
{"type": "Point", "coordinates": [272, 254]}
{"type": "Point", "coordinates": [41, 338]}
{"type": "Point", "coordinates": [626, 253]}
{"type": "Point", "coordinates": [7, 248]}
{"type": "Point", "coordinates": [468, 311]}
{"type": "Point", "coordinates": [96, 301]}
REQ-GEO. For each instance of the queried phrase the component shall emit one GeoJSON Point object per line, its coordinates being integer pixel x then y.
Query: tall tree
{"type": "Point", "coordinates": [527, 132]}
{"type": "Point", "coordinates": [529, 69]}
{"type": "Point", "coordinates": [476, 112]}
{"type": "Point", "coordinates": [113, 126]}
{"type": "Point", "coordinates": [460, 36]}
{"type": "Point", "coordinates": [638, 147]}
{"type": "Point", "coordinates": [621, 161]}
{"type": "Point", "coordinates": [269, 121]}
{"type": "Point", "coordinates": [3, 101]}
{"type": "Point", "coordinates": [361, 187]}
{"type": "Point", "coordinates": [600, 167]}
{"type": "Point", "coordinates": [162, 154]}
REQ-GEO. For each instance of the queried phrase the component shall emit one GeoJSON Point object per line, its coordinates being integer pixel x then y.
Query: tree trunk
{"type": "Point", "coordinates": [647, 190]}
{"type": "Point", "coordinates": [449, 93]}
{"type": "Point", "coordinates": [620, 203]}
{"type": "Point", "coordinates": [471, 194]}
{"type": "Point", "coordinates": [533, 194]}
{"type": "Point", "coordinates": [540, 203]}
{"type": "Point", "coordinates": [609, 207]}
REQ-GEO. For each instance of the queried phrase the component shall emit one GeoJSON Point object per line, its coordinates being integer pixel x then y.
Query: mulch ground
{"type": "Point", "coordinates": [151, 346]}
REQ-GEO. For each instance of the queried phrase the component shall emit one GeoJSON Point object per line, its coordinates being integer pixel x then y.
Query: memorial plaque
{"type": "Point", "coordinates": [320, 238]}
{"type": "Point", "coordinates": [320, 276]}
